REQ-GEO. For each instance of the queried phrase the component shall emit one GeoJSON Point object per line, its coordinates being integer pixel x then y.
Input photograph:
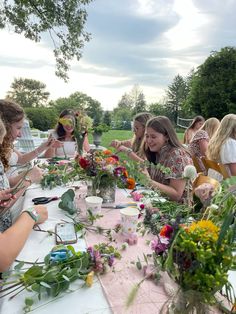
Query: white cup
{"type": "Point", "coordinates": [94, 204]}
{"type": "Point", "coordinates": [129, 220]}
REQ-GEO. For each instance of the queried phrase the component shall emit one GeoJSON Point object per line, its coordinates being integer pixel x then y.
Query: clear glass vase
{"type": "Point", "coordinates": [108, 193]}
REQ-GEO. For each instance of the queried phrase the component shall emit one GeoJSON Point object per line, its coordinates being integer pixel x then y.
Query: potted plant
{"type": "Point", "coordinates": [97, 133]}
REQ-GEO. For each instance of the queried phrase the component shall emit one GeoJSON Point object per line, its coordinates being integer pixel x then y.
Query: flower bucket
{"type": "Point", "coordinates": [129, 220]}
{"type": "Point", "coordinates": [94, 204]}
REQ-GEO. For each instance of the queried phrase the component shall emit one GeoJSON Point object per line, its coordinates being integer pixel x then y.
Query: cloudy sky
{"type": "Point", "coordinates": [144, 42]}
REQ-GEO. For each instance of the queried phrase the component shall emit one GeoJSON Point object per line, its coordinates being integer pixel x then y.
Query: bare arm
{"type": "Point", "coordinates": [14, 238]}
{"type": "Point", "coordinates": [203, 146]}
{"type": "Point", "coordinates": [232, 168]}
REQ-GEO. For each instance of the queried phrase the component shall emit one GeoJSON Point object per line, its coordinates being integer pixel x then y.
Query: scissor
{"type": "Point", "coordinates": [44, 200]}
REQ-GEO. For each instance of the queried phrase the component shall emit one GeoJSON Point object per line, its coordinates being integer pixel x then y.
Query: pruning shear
{"type": "Point", "coordinates": [44, 200]}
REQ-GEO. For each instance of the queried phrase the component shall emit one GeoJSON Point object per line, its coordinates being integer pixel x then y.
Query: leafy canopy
{"type": "Point", "coordinates": [64, 20]}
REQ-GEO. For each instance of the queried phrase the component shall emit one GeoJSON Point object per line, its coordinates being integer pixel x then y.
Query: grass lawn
{"type": "Point", "coordinates": [107, 137]}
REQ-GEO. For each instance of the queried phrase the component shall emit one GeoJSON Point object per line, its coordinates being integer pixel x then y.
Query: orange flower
{"type": "Point", "coordinates": [130, 183]}
{"type": "Point", "coordinates": [125, 173]}
{"type": "Point", "coordinates": [111, 160]}
{"type": "Point", "coordinates": [107, 152]}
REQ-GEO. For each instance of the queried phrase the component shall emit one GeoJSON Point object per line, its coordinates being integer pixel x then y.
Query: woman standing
{"type": "Point", "coordinates": [222, 146]}
{"type": "Point", "coordinates": [193, 128]}
{"type": "Point", "coordinates": [165, 149]}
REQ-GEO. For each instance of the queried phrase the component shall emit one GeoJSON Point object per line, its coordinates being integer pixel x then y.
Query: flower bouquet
{"type": "Point", "coordinates": [105, 170]}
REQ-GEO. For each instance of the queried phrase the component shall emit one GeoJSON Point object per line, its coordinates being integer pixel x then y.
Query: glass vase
{"type": "Point", "coordinates": [108, 193]}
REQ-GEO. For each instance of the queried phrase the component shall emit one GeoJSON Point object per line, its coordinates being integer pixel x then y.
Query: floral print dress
{"type": "Point", "coordinates": [174, 158]}
{"type": "Point", "coordinates": [194, 147]}
{"type": "Point", "coordinates": [5, 218]}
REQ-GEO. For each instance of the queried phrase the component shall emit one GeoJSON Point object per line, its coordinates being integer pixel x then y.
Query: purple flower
{"type": "Point", "coordinates": [159, 244]}
{"type": "Point", "coordinates": [111, 259]}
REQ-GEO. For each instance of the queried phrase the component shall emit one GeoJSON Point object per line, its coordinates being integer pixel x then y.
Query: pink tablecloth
{"type": "Point", "coordinates": [118, 284]}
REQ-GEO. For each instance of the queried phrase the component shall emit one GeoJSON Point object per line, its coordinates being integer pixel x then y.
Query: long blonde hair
{"type": "Point", "coordinates": [210, 126]}
{"type": "Point", "coordinates": [226, 130]}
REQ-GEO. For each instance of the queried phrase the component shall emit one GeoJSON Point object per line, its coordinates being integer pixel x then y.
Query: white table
{"type": "Point", "coordinates": [83, 299]}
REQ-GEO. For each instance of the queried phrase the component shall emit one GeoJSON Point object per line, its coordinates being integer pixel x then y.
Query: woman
{"type": "Point", "coordinates": [13, 117]}
{"type": "Point", "coordinates": [64, 133]}
{"type": "Point", "coordinates": [10, 128]}
{"type": "Point", "coordinates": [193, 128]}
{"type": "Point", "coordinates": [165, 149]}
{"type": "Point", "coordinates": [134, 147]}
{"type": "Point", "coordinates": [200, 140]}
{"type": "Point", "coordinates": [222, 146]}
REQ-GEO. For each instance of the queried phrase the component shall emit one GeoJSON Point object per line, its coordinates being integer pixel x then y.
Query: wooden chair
{"type": "Point", "coordinates": [200, 179]}
{"type": "Point", "coordinates": [221, 168]}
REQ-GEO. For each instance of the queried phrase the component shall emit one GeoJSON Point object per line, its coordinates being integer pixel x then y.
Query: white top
{"type": "Point", "coordinates": [228, 152]}
{"type": "Point", "coordinates": [13, 162]}
{"type": "Point", "coordinates": [69, 149]}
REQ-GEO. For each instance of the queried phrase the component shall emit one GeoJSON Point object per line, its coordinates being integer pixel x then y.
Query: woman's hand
{"type": "Point", "coordinates": [43, 213]}
{"type": "Point", "coordinates": [115, 143]}
{"type": "Point", "coordinates": [35, 174]}
{"type": "Point", "coordinates": [6, 197]}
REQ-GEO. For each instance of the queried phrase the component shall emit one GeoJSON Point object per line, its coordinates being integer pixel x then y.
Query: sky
{"type": "Point", "coordinates": [134, 42]}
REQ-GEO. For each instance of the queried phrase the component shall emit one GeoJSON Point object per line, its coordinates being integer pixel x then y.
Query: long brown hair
{"type": "Point", "coordinates": [163, 125]}
{"type": "Point", "coordinates": [10, 112]}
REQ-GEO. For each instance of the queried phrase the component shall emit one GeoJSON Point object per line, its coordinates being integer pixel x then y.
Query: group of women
{"type": "Point", "coordinates": [155, 140]}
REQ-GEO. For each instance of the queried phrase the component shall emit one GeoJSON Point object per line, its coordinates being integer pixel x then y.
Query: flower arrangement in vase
{"type": "Point", "coordinates": [105, 170]}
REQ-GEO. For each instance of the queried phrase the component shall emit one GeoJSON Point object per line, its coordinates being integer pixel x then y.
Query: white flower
{"type": "Point", "coordinates": [190, 172]}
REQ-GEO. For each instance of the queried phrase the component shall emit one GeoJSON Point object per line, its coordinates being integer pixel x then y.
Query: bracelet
{"type": "Point", "coordinates": [33, 213]}
{"type": "Point", "coordinates": [129, 151]}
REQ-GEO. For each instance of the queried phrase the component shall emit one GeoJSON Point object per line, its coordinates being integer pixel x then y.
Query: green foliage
{"type": "Point", "coordinates": [63, 20]}
{"type": "Point", "coordinates": [107, 118]}
{"type": "Point", "coordinates": [42, 118]}
{"type": "Point", "coordinates": [28, 93]}
{"type": "Point", "coordinates": [213, 91]}
{"type": "Point", "coordinates": [67, 202]}
{"type": "Point", "coordinates": [101, 128]}
{"type": "Point", "coordinates": [176, 95]}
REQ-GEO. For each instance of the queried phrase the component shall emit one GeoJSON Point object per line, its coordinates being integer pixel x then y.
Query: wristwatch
{"type": "Point", "coordinates": [32, 212]}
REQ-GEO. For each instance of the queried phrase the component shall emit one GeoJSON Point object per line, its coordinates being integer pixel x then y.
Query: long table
{"type": "Point", "coordinates": [109, 293]}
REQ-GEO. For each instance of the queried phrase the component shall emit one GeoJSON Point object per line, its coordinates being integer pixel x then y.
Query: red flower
{"type": "Point", "coordinates": [84, 163]}
{"type": "Point", "coordinates": [166, 231]}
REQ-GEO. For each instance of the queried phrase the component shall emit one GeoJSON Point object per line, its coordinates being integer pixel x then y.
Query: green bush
{"type": "Point", "coordinates": [42, 119]}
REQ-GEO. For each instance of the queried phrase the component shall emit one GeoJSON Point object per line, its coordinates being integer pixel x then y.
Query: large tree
{"type": "Point", "coordinates": [213, 91]}
{"type": "Point", "coordinates": [28, 93]}
{"type": "Point", "coordinates": [64, 20]}
{"type": "Point", "coordinates": [176, 94]}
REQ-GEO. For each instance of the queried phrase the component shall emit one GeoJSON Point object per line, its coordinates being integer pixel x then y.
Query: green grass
{"type": "Point", "coordinates": [107, 137]}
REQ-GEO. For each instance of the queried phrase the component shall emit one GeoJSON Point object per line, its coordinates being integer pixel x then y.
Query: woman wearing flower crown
{"type": "Point", "coordinates": [134, 147]}
{"type": "Point", "coordinates": [64, 133]}
{"type": "Point", "coordinates": [164, 148]}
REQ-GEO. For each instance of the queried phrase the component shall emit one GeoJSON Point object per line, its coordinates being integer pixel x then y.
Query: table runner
{"type": "Point", "coordinates": [118, 284]}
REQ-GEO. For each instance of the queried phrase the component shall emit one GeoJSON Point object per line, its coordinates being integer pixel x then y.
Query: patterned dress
{"type": "Point", "coordinates": [5, 219]}
{"type": "Point", "coordinates": [194, 147]}
{"type": "Point", "coordinates": [175, 159]}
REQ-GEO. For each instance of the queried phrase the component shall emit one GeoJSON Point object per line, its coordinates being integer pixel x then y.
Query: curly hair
{"type": "Point", "coordinates": [10, 112]}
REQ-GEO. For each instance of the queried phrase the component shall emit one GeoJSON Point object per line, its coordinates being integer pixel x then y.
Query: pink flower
{"type": "Point", "coordinates": [136, 196]}
{"type": "Point", "coordinates": [159, 244]}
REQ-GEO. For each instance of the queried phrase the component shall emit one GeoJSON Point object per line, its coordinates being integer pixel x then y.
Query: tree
{"type": "Point", "coordinates": [176, 95]}
{"type": "Point", "coordinates": [213, 92]}
{"type": "Point", "coordinates": [107, 118]}
{"type": "Point", "coordinates": [140, 104]}
{"type": "Point", "coordinates": [80, 101]}
{"type": "Point", "coordinates": [28, 93]}
{"type": "Point", "coordinates": [158, 109]}
{"type": "Point", "coordinates": [42, 118]}
{"type": "Point", "coordinates": [64, 20]}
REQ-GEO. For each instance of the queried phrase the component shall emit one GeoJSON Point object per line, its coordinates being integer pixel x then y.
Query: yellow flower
{"type": "Point", "coordinates": [89, 279]}
{"type": "Point", "coordinates": [207, 226]}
